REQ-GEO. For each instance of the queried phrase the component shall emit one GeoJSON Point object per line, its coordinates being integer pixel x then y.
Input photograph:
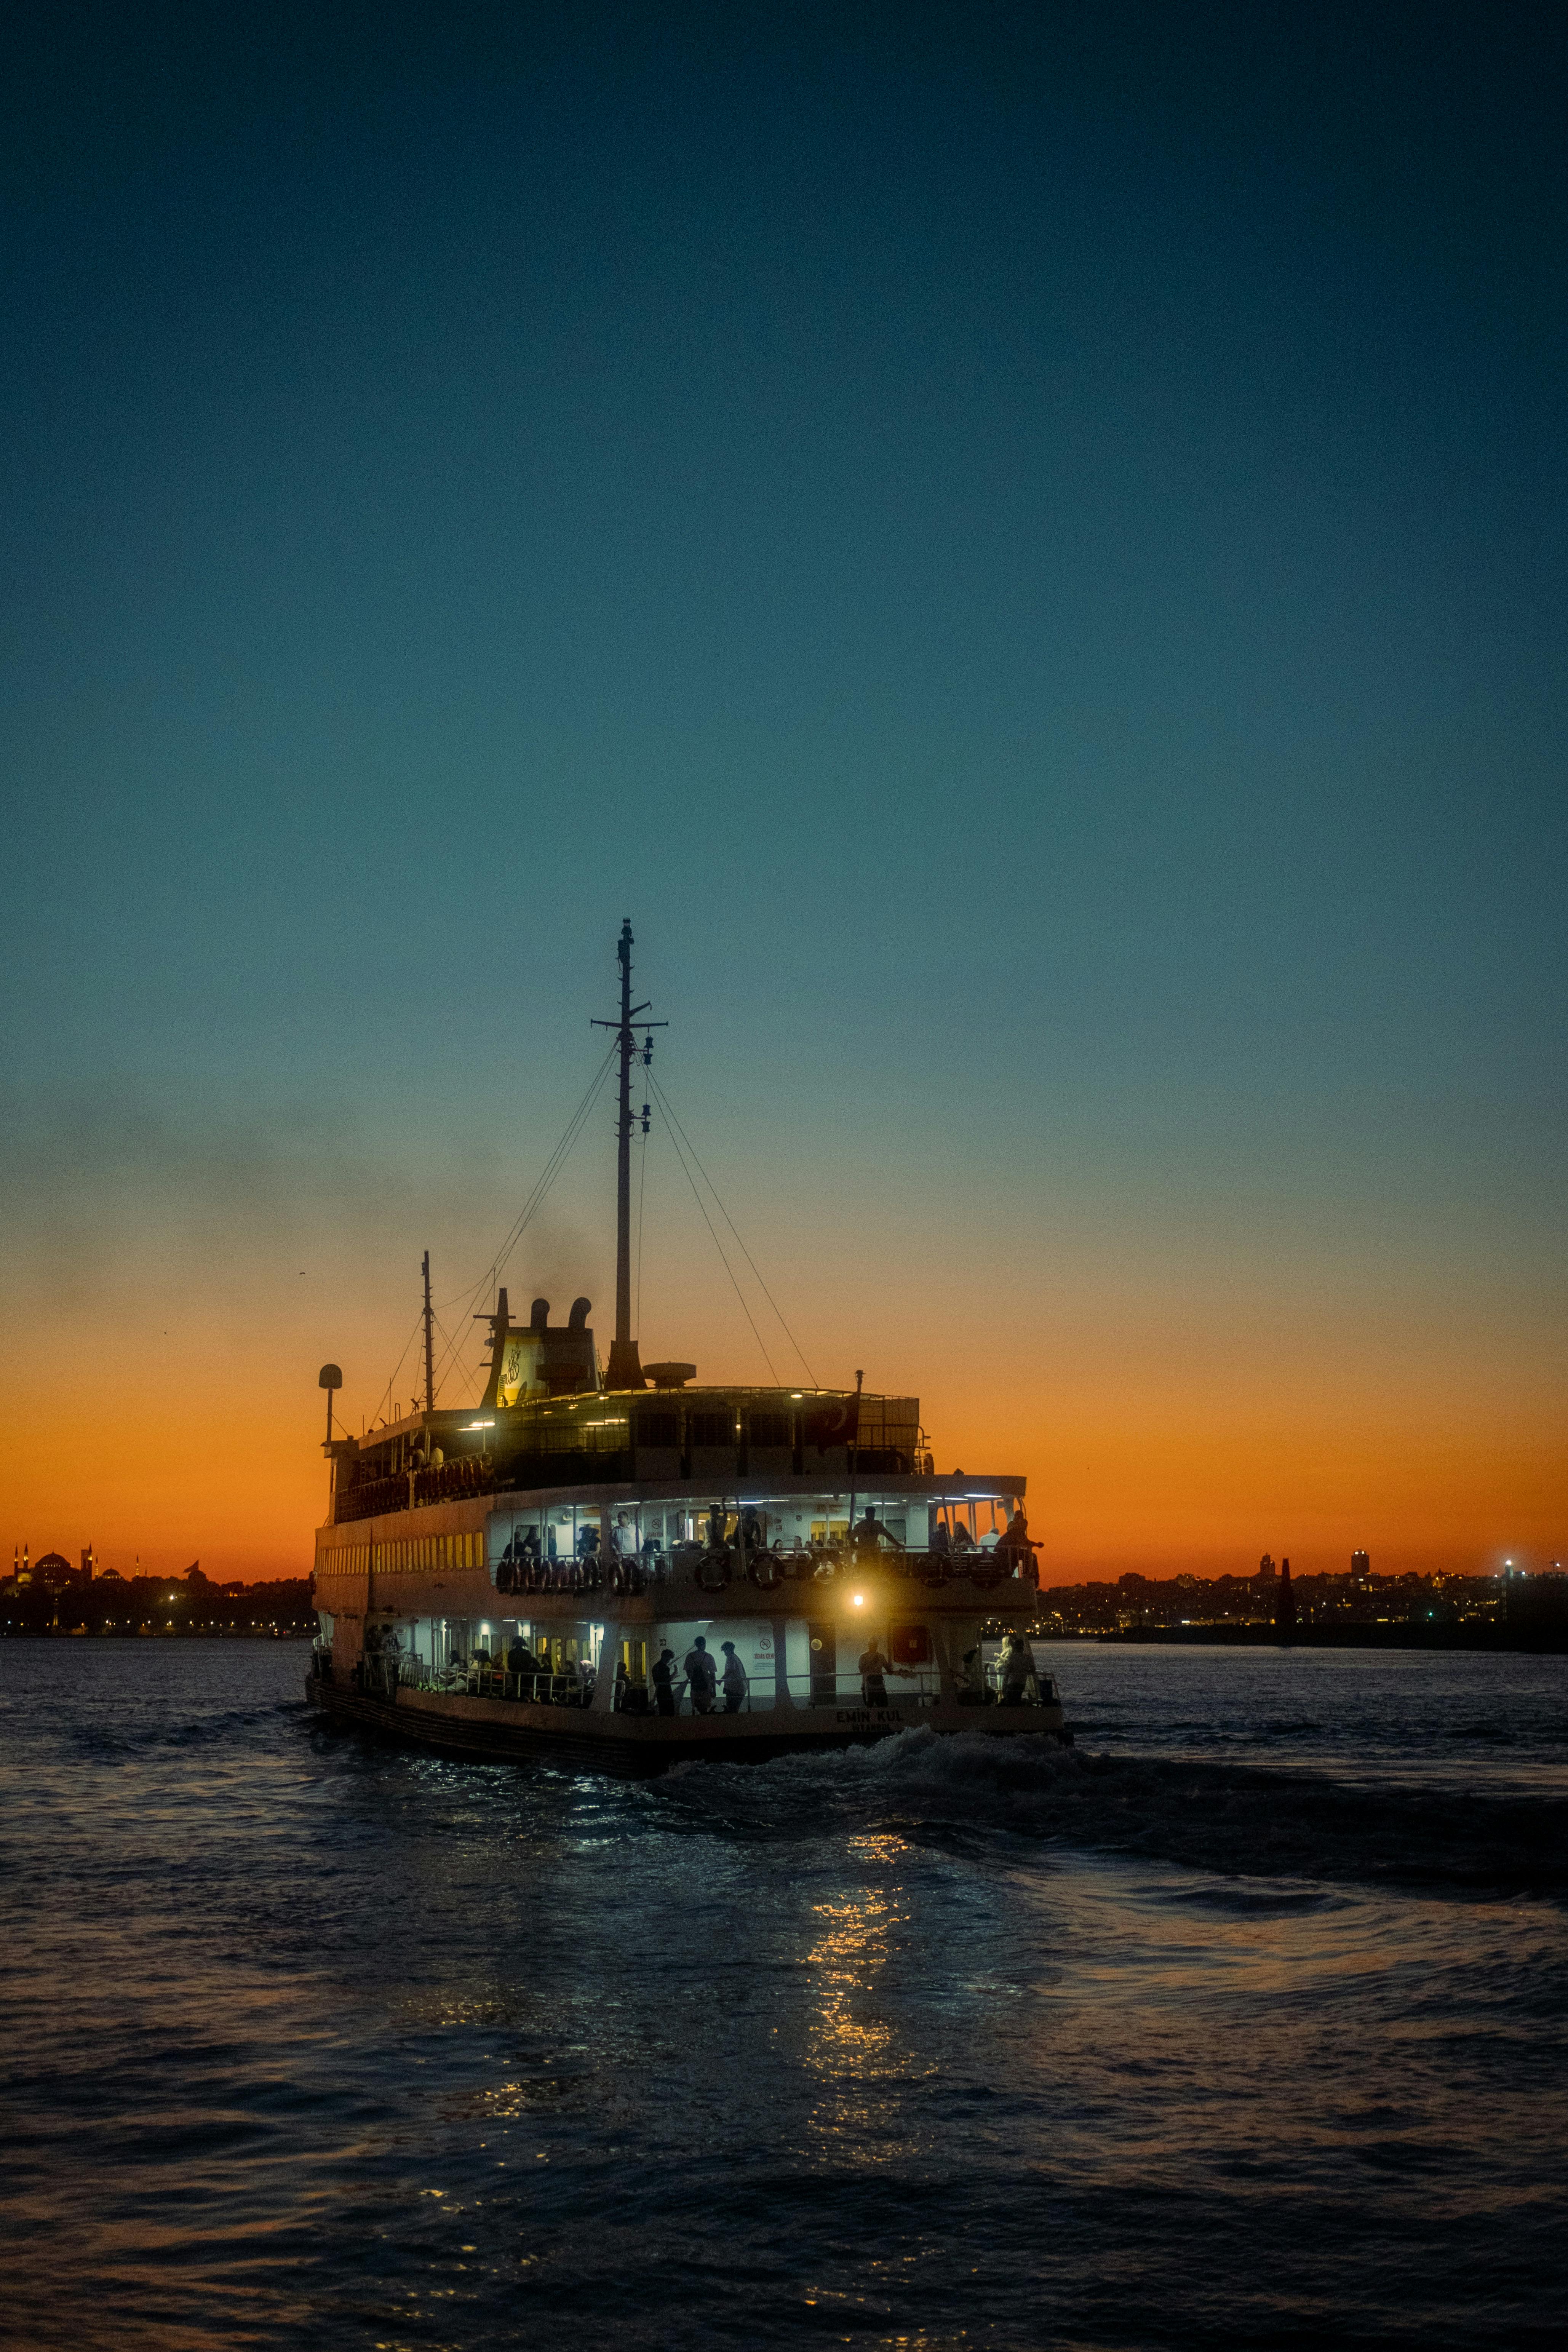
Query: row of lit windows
{"type": "Point", "coordinates": [410, 1554]}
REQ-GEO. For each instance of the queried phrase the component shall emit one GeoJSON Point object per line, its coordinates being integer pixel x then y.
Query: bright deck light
{"type": "Point", "coordinates": [859, 1600]}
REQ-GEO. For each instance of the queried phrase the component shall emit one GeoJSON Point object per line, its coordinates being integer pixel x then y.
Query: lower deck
{"type": "Point", "coordinates": [509, 1720]}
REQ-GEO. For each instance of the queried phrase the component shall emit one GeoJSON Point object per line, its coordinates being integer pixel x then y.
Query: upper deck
{"type": "Point", "coordinates": [722, 1438]}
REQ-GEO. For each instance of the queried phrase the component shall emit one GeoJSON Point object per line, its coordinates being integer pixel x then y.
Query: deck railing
{"type": "Point", "coordinates": [715, 1570]}
{"type": "Point", "coordinates": [381, 1674]}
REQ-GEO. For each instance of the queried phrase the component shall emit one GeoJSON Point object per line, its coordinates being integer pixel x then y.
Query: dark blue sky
{"type": "Point", "coordinates": [1025, 547]}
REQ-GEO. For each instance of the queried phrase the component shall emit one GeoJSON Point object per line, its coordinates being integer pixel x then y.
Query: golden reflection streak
{"type": "Point", "coordinates": [851, 2045]}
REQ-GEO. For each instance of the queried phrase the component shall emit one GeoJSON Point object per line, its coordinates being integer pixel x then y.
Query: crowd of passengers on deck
{"type": "Point", "coordinates": [709, 1684]}
{"type": "Point", "coordinates": [527, 1565]}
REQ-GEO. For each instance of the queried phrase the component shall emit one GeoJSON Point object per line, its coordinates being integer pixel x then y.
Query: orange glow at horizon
{"type": "Point", "coordinates": [1161, 1466]}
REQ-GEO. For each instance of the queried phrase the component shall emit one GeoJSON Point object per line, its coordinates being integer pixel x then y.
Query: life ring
{"type": "Point", "coordinates": [714, 1571]}
{"type": "Point", "coordinates": [765, 1570]}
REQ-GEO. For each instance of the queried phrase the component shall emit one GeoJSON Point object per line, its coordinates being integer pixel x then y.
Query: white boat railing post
{"type": "Point", "coordinates": [946, 1685]}
{"type": "Point", "coordinates": [783, 1698]}
{"type": "Point", "coordinates": [604, 1699]}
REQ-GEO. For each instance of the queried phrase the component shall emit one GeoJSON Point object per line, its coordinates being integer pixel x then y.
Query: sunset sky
{"type": "Point", "coordinates": [1022, 547]}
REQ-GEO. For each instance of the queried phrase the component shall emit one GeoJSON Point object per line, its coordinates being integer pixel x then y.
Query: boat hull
{"type": "Point", "coordinates": [640, 1747]}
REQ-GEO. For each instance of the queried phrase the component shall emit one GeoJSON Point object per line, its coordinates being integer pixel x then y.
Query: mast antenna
{"type": "Point", "coordinates": [429, 1348]}
{"type": "Point", "coordinates": [625, 1369]}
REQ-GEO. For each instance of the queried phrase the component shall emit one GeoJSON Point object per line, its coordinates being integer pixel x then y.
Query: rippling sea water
{"type": "Point", "coordinates": [1240, 2025]}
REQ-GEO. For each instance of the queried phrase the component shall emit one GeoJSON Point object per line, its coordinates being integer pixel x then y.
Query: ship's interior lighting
{"type": "Point", "coordinates": [859, 1600]}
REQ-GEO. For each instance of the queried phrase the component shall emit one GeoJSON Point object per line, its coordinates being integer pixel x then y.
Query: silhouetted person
{"type": "Point", "coordinates": [867, 1533]}
{"type": "Point", "coordinates": [664, 1682]}
{"type": "Point", "coordinates": [701, 1676]}
{"type": "Point", "coordinates": [873, 1668]}
{"type": "Point", "coordinates": [1015, 1536]}
{"type": "Point", "coordinates": [735, 1683]}
{"type": "Point", "coordinates": [941, 1541]}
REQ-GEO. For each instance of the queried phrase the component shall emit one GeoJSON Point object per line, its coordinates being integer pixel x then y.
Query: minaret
{"type": "Point", "coordinates": [1284, 1607]}
{"type": "Point", "coordinates": [624, 1367]}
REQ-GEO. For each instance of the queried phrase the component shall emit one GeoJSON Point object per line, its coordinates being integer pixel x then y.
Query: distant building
{"type": "Point", "coordinates": [1361, 1568]}
{"type": "Point", "coordinates": [54, 1570]}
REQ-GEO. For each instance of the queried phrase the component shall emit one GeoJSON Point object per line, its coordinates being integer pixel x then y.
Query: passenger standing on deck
{"type": "Point", "coordinates": [735, 1683]}
{"type": "Point", "coordinates": [873, 1667]}
{"type": "Point", "coordinates": [867, 1533]}
{"type": "Point", "coordinates": [1016, 1666]}
{"type": "Point", "coordinates": [701, 1676]}
{"type": "Point", "coordinates": [1015, 1536]}
{"type": "Point", "coordinates": [664, 1682]}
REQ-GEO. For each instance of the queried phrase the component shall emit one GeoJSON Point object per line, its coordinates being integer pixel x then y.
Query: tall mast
{"type": "Point", "coordinates": [623, 1152]}
{"type": "Point", "coordinates": [625, 1369]}
{"type": "Point", "coordinates": [430, 1352]}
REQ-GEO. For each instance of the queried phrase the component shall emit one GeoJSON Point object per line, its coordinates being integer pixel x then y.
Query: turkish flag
{"type": "Point", "coordinates": [831, 1421]}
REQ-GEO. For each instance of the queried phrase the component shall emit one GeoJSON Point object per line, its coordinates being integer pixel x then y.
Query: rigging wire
{"type": "Point", "coordinates": [531, 1207]}
{"type": "Point", "coordinates": [453, 1346]}
{"type": "Point", "coordinates": [496, 1266]}
{"type": "Point", "coordinates": [673, 1123]}
{"type": "Point", "coordinates": [642, 1187]}
{"type": "Point", "coordinates": [717, 1242]}
{"type": "Point", "coordinates": [385, 1398]}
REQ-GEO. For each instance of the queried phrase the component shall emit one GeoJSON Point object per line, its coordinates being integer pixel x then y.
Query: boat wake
{"type": "Point", "coordinates": [1224, 1818]}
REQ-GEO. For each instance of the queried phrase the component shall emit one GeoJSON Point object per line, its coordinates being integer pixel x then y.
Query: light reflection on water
{"type": "Point", "coordinates": [855, 2045]}
{"type": "Point", "coordinates": [308, 2044]}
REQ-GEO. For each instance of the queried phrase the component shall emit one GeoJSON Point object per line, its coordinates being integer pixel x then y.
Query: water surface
{"type": "Point", "coordinates": [1241, 2024]}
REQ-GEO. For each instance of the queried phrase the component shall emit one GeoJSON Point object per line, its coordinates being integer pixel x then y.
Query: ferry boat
{"type": "Point", "coordinates": [622, 1567]}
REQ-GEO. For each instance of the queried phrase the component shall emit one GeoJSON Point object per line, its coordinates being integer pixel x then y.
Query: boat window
{"type": "Point", "coordinates": [712, 1429]}
{"type": "Point", "coordinates": [770, 1428]}
{"type": "Point", "coordinates": [658, 1428]}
